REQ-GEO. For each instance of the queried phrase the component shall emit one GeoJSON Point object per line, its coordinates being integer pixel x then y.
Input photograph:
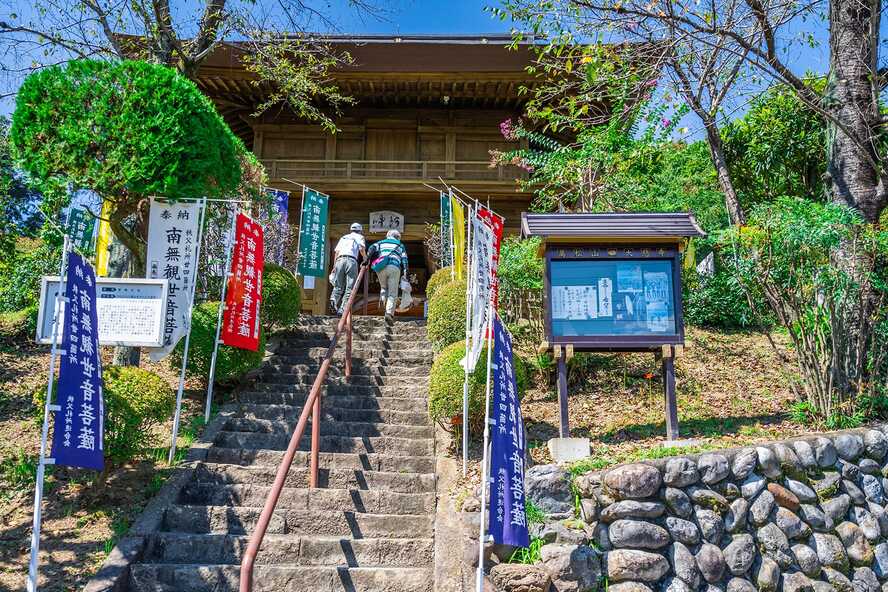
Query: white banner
{"type": "Point", "coordinates": [482, 282]}
{"type": "Point", "coordinates": [173, 239]}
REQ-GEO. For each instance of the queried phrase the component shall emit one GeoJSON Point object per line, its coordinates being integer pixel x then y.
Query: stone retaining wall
{"type": "Point", "coordinates": [807, 515]}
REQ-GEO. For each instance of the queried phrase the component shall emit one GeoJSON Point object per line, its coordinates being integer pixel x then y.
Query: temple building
{"type": "Point", "coordinates": [427, 111]}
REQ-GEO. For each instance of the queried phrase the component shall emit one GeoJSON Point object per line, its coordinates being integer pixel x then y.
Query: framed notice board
{"type": "Point", "coordinates": [608, 298]}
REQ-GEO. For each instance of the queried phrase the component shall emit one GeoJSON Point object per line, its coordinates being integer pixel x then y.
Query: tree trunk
{"type": "Point", "coordinates": [855, 176]}
{"type": "Point", "coordinates": [135, 243]}
{"type": "Point", "coordinates": [717, 152]}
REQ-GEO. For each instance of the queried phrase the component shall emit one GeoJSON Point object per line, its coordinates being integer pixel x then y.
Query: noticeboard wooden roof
{"type": "Point", "coordinates": [610, 226]}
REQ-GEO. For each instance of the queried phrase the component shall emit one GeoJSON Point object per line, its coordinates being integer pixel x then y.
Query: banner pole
{"type": "Point", "coordinates": [181, 389]}
{"type": "Point", "coordinates": [452, 249]}
{"type": "Point", "coordinates": [469, 282]}
{"type": "Point", "coordinates": [485, 459]}
{"type": "Point", "coordinates": [225, 276]}
{"type": "Point", "coordinates": [44, 434]}
{"type": "Point", "coordinates": [299, 236]}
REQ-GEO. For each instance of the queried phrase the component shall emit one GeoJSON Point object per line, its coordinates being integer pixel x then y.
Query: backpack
{"type": "Point", "coordinates": [384, 260]}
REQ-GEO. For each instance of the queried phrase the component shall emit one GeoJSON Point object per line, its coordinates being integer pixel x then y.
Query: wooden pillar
{"type": "Point", "coordinates": [669, 393]}
{"type": "Point", "coordinates": [564, 431]}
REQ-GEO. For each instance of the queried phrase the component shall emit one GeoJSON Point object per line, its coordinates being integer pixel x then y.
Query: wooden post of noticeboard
{"type": "Point", "coordinates": [561, 355]}
{"type": "Point", "coordinates": [668, 372]}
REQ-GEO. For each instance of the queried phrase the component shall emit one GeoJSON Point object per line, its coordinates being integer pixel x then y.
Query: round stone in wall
{"type": "Point", "coordinates": [744, 463]}
{"type": "Point", "coordinates": [740, 554]}
{"type": "Point", "coordinates": [633, 481]}
{"type": "Point", "coordinates": [680, 472]}
{"type": "Point", "coordinates": [825, 452]}
{"type": "Point", "coordinates": [848, 446]}
{"type": "Point", "coordinates": [713, 468]}
{"type": "Point", "coordinates": [630, 564]}
{"type": "Point", "coordinates": [711, 563]}
{"type": "Point", "coordinates": [875, 444]}
{"type": "Point", "coordinates": [637, 534]}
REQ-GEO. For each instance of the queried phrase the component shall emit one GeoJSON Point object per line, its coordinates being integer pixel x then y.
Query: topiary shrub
{"type": "Point", "coordinates": [281, 297]}
{"type": "Point", "coordinates": [447, 314]}
{"type": "Point", "coordinates": [136, 401]}
{"type": "Point", "coordinates": [438, 279]}
{"type": "Point", "coordinates": [231, 362]}
{"type": "Point", "coordinates": [446, 385]}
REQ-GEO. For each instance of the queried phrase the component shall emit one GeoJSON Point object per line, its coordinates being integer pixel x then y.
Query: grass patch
{"type": "Point", "coordinates": [607, 456]}
{"type": "Point", "coordinates": [18, 473]}
{"type": "Point", "coordinates": [530, 554]}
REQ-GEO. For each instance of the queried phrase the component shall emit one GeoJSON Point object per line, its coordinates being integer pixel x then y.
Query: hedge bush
{"type": "Point", "coordinates": [136, 401]}
{"type": "Point", "coordinates": [231, 362]}
{"type": "Point", "coordinates": [446, 384]}
{"type": "Point", "coordinates": [281, 297]}
{"type": "Point", "coordinates": [446, 322]}
{"type": "Point", "coordinates": [438, 279]}
{"type": "Point", "coordinates": [20, 284]}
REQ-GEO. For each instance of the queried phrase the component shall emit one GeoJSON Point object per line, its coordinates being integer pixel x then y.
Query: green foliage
{"type": "Point", "coordinates": [438, 279]}
{"type": "Point", "coordinates": [124, 128]}
{"type": "Point", "coordinates": [786, 252]}
{"type": "Point", "coordinates": [136, 401]}
{"type": "Point", "coordinates": [778, 148]}
{"type": "Point", "coordinates": [533, 513]}
{"type": "Point", "coordinates": [20, 282]}
{"type": "Point", "coordinates": [529, 555]}
{"type": "Point", "coordinates": [447, 314]}
{"type": "Point", "coordinates": [231, 362]}
{"type": "Point", "coordinates": [720, 301]}
{"type": "Point", "coordinates": [446, 384]}
{"type": "Point", "coordinates": [520, 266]}
{"type": "Point", "coordinates": [281, 297]}
{"type": "Point", "coordinates": [18, 472]}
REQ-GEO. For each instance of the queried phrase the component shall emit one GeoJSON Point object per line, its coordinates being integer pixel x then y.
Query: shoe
{"type": "Point", "coordinates": [389, 318]}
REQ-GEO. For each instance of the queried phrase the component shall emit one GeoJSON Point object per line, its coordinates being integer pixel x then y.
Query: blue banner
{"type": "Point", "coordinates": [78, 433]}
{"type": "Point", "coordinates": [282, 206]}
{"type": "Point", "coordinates": [508, 519]}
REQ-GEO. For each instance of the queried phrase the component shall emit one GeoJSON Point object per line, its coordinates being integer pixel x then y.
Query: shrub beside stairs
{"type": "Point", "coordinates": [370, 525]}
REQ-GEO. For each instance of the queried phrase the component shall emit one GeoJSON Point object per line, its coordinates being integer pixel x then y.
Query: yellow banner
{"type": "Point", "coordinates": [459, 235]}
{"type": "Point", "coordinates": [103, 240]}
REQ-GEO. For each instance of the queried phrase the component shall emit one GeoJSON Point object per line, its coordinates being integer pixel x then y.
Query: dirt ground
{"type": "Point", "coordinates": [80, 524]}
{"type": "Point", "coordinates": [732, 389]}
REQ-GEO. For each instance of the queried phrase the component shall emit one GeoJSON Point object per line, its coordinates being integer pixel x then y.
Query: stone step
{"type": "Point", "coordinates": [292, 498]}
{"type": "Point", "coordinates": [326, 460]}
{"type": "Point", "coordinates": [329, 443]}
{"type": "Point", "coordinates": [359, 342]}
{"type": "Point", "coordinates": [299, 365]}
{"type": "Point", "coordinates": [355, 390]}
{"type": "Point", "coordinates": [299, 477]}
{"type": "Point", "coordinates": [335, 401]}
{"type": "Point", "coordinates": [367, 357]}
{"type": "Point", "coordinates": [242, 520]}
{"type": "Point", "coordinates": [330, 413]}
{"type": "Point", "coordinates": [288, 550]}
{"type": "Point", "coordinates": [224, 578]}
{"type": "Point", "coordinates": [335, 376]}
{"type": "Point", "coordinates": [353, 429]}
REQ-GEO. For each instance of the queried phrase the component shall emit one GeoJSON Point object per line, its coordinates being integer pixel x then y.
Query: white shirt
{"type": "Point", "coordinates": [350, 244]}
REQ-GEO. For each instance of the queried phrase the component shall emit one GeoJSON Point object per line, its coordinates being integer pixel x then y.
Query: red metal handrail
{"type": "Point", "coordinates": [313, 406]}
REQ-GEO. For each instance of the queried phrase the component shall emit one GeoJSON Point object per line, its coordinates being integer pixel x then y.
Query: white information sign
{"type": "Point", "coordinates": [173, 239]}
{"type": "Point", "coordinates": [385, 220]}
{"type": "Point", "coordinates": [130, 310]}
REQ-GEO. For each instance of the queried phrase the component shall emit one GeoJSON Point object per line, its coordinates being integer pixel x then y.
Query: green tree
{"type": "Point", "coordinates": [127, 130]}
{"type": "Point", "coordinates": [778, 148]}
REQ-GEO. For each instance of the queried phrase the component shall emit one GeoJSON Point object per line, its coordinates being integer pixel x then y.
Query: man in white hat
{"type": "Point", "coordinates": [345, 266]}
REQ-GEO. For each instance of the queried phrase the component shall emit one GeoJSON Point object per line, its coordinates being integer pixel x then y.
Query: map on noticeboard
{"type": "Point", "coordinates": [612, 297]}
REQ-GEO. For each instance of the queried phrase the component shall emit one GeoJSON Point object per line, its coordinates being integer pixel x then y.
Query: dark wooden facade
{"type": "Point", "coordinates": [426, 109]}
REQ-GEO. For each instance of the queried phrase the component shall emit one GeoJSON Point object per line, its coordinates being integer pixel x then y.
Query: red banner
{"type": "Point", "coordinates": [495, 222]}
{"type": "Point", "coordinates": [240, 324]}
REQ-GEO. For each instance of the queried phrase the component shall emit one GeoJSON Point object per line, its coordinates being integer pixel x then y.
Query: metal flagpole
{"type": "Point", "coordinates": [47, 407]}
{"type": "Point", "coordinates": [178, 413]}
{"type": "Point", "coordinates": [469, 282]}
{"type": "Point", "coordinates": [485, 470]}
{"type": "Point", "coordinates": [226, 274]}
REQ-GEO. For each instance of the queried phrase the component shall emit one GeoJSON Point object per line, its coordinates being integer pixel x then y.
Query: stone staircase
{"type": "Point", "coordinates": [370, 525]}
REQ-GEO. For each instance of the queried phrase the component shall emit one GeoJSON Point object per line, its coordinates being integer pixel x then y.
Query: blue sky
{"type": "Point", "coordinates": [463, 17]}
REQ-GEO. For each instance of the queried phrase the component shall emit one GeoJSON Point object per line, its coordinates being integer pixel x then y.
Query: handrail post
{"type": "Point", "coordinates": [366, 292]}
{"type": "Point", "coordinates": [348, 345]}
{"type": "Point", "coordinates": [315, 441]}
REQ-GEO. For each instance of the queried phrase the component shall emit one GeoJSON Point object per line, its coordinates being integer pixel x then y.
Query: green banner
{"type": "Point", "coordinates": [81, 227]}
{"type": "Point", "coordinates": [446, 246]}
{"type": "Point", "coordinates": [313, 234]}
